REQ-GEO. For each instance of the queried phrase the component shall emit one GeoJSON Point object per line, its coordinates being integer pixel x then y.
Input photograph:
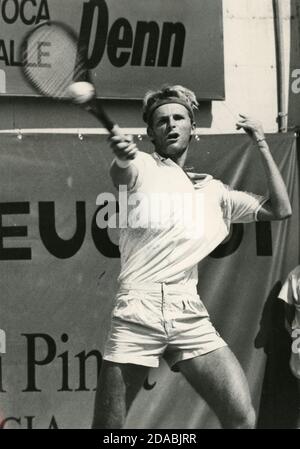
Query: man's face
{"type": "Point", "coordinates": [171, 129]}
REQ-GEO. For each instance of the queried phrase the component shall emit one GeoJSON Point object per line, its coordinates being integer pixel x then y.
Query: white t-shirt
{"type": "Point", "coordinates": [290, 293]}
{"type": "Point", "coordinates": [173, 222]}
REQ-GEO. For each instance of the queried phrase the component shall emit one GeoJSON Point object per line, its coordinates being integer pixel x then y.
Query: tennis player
{"type": "Point", "coordinates": [157, 312]}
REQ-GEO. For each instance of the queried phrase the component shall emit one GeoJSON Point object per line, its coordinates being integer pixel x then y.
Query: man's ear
{"type": "Point", "coordinates": [193, 129]}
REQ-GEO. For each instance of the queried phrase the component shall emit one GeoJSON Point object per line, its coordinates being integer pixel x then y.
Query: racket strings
{"type": "Point", "coordinates": [63, 63]}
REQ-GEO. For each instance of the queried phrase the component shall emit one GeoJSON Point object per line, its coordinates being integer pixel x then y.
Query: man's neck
{"type": "Point", "coordinates": [178, 159]}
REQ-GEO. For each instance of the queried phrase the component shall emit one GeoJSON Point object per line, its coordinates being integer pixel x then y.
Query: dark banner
{"type": "Point", "coordinates": [59, 272]}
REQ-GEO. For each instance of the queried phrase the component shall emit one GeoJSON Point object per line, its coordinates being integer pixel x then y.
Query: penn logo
{"type": "Point", "coordinates": [137, 44]}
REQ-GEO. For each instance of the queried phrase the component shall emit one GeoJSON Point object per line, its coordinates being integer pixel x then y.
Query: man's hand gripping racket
{"type": "Point", "coordinates": [54, 62]}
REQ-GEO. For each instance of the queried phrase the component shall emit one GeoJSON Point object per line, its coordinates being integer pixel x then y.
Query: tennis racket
{"type": "Point", "coordinates": [53, 58]}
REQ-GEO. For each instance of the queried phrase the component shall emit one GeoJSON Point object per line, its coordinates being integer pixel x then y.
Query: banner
{"type": "Point", "coordinates": [59, 272]}
{"type": "Point", "coordinates": [134, 45]}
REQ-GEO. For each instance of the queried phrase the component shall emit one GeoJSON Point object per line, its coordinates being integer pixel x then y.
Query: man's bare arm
{"type": "Point", "coordinates": [122, 171]}
{"type": "Point", "coordinates": [278, 206]}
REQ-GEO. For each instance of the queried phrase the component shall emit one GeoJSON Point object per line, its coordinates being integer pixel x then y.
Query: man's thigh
{"type": "Point", "coordinates": [218, 377]}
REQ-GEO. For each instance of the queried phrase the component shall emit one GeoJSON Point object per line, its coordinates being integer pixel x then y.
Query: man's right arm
{"type": "Point", "coordinates": [123, 171]}
{"type": "Point", "coordinates": [123, 176]}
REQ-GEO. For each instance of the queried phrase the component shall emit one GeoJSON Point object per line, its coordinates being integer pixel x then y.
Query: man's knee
{"type": "Point", "coordinates": [246, 419]}
{"type": "Point", "coordinates": [249, 419]}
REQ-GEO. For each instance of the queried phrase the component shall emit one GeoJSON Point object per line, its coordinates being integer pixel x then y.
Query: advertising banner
{"type": "Point", "coordinates": [59, 274]}
{"type": "Point", "coordinates": [133, 45]}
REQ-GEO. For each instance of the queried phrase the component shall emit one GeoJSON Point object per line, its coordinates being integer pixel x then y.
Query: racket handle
{"type": "Point", "coordinates": [98, 112]}
{"type": "Point", "coordinates": [95, 109]}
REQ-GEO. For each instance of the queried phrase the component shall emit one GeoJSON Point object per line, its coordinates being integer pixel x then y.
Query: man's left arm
{"type": "Point", "coordinates": [278, 206]}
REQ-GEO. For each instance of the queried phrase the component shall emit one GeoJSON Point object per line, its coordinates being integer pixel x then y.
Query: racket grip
{"type": "Point", "coordinates": [95, 109]}
{"type": "Point", "coordinates": [98, 112]}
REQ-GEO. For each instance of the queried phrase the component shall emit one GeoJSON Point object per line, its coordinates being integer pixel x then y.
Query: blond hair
{"type": "Point", "coordinates": [169, 94]}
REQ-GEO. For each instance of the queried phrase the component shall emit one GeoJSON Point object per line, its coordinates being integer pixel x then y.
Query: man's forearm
{"type": "Point", "coordinates": [123, 176]}
{"type": "Point", "coordinates": [279, 202]}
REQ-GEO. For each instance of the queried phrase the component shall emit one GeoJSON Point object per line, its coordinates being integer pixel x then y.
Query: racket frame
{"type": "Point", "coordinates": [93, 106]}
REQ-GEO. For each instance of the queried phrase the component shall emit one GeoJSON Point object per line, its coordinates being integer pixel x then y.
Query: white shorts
{"type": "Point", "coordinates": [167, 321]}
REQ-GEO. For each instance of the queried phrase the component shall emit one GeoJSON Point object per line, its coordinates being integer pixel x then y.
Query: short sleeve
{"type": "Point", "coordinates": [290, 291]}
{"type": "Point", "coordinates": [286, 292]}
{"type": "Point", "coordinates": [241, 207]}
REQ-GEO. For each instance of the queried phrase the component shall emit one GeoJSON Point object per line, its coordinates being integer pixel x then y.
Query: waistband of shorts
{"type": "Point", "coordinates": [160, 287]}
